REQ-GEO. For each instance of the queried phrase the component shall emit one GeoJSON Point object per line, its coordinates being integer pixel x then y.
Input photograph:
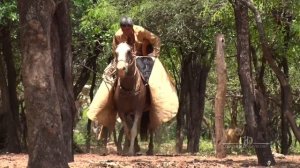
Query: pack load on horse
{"type": "Point", "coordinates": [133, 83]}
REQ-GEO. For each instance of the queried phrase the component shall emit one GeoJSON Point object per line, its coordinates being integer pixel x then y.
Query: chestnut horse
{"type": "Point", "coordinates": [131, 97]}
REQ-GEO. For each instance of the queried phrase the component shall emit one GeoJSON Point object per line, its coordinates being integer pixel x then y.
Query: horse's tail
{"type": "Point", "coordinates": [144, 126]}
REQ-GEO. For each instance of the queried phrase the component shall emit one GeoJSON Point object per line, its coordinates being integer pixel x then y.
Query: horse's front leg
{"type": "Point", "coordinates": [124, 124]}
{"type": "Point", "coordinates": [150, 146]}
{"type": "Point", "coordinates": [125, 129]}
{"type": "Point", "coordinates": [134, 130]}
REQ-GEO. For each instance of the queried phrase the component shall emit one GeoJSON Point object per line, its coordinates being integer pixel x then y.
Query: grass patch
{"type": "Point", "coordinates": [206, 147]}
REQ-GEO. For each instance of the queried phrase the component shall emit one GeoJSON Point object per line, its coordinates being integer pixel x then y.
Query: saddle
{"type": "Point", "coordinates": [145, 66]}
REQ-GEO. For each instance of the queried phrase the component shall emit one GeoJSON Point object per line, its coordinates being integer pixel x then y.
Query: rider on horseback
{"type": "Point", "coordinates": [164, 99]}
{"type": "Point", "coordinates": [142, 42]}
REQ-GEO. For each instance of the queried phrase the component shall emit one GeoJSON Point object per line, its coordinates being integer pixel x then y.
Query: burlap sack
{"type": "Point", "coordinates": [164, 99]}
{"type": "Point", "coordinates": [101, 108]}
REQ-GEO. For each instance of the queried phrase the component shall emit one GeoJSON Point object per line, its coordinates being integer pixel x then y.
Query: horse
{"type": "Point", "coordinates": [131, 98]}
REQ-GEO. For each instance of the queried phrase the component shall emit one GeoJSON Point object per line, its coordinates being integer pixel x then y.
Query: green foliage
{"type": "Point", "coordinates": [80, 134]}
{"type": "Point", "coordinates": [8, 12]}
{"type": "Point", "coordinates": [206, 147]}
{"type": "Point", "coordinates": [102, 16]}
{"type": "Point", "coordinates": [94, 24]}
{"type": "Point", "coordinates": [295, 148]}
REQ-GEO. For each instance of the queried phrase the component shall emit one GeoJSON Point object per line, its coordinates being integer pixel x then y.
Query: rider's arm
{"type": "Point", "coordinates": [154, 40]}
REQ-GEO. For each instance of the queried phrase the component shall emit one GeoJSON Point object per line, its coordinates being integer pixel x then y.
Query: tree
{"type": "Point", "coordinates": [284, 83]}
{"type": "Point", "coordinates": [9, 91]}
{"type": "Point", "coordinates": [220, 96]}
{"type": "Point", "coordinates": [253, 99]}
{"type": "Point", "coordinates": [47, 79]}
{"type": "Point", "coordinates": [10, 104]}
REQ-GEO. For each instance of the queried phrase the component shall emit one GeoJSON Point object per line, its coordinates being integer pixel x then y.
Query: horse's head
{"type": "Point", "coordinates": [124, 58]}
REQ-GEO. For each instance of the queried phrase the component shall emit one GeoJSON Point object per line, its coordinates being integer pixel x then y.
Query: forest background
{"type": "Point", "coordinates": [262, 64]}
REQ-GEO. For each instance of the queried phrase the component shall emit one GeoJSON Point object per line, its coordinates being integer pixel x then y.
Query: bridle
{"type": "Point", "coordinates": [129, 60]}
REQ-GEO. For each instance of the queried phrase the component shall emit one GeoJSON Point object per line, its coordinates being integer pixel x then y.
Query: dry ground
{"type": "Point", "coordinates": [114, 161]}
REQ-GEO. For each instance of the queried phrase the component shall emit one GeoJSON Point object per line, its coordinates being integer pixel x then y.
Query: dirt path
{"type": "Point", "coordinates": [115, 161]}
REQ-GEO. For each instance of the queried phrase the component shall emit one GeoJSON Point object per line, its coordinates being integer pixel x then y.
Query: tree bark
{"type": "Point", "coordinates": [193, 121]}
{"type": "Point", "coordinates": [284, 19]}
{"type": "Point", "coordinates": [197, 76]}
{"type": "Point", "coordinates": [220, 96]}
{"type": "Point", "coordinates": [194, 72]}
{"type": "Point", "coordinates": [3, 104]}
{"type": "Point", "coordinates": [9, 75]}
{"type": "Point", "coordinates": [61, 26]}
{"type": "Point", "coordinates": [254, 106]}
{"type": "Point", "coordinates": [89, 123]}
{"type": "Point", "coordinates": [8, 129]}
{"type": "Point", "coordinates": [48, 91]}
{"type": "Point", "coordinates": [233, 112]}
{"type": "Point", "coordinates": [183, 108]}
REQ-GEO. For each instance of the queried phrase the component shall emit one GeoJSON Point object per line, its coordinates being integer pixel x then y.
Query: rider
{"type": "Point", "coordinates": [138, 38]}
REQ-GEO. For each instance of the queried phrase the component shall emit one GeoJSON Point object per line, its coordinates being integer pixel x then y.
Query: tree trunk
{"type": "Point", "coordinates": [8, 129]}
{"type": "Point", "coordinates": [205, 67]}
{"type": "Point", "coordinates": [233, 112]}
{"type": "Point", "coordinates": [220, 96]}
{"type": "Point", "coordinates": [180, 126]}
{"type": "Point", "coordinates": [194, 72]}
{"type": "Point", "coordinates": [193, 121]}
{"type": "Point", "coordinates": [89, 66]}
{"type": "Point", "coordinates": [84, 75]}
{"type": "Point", "coordinates": [47, 79]}
{"type": "Point", "coordinates": [285, 138]}
{"type": "Point", "coordinates": [197, 76]}
{"type": "Point", "coordinates": [286, 89]}
{"type": "Point", "coordinates": [252, 99]}
{"type": "Point", "coordinates": [61, 26]}
{"type": "Point", "coordinates": [4, 107]}
{"type": "Point", "coordinates": [12, 115]}
{"type": "Point", "coordinates": [89, 123]}
{"type": "Point", "coordinates": [3, 104]}
{"type": "Point", "coordinates": [183, 108]}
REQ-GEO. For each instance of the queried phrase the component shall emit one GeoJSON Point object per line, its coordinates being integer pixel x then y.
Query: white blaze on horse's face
{"type": "Point", "coordinates": [123, 52]}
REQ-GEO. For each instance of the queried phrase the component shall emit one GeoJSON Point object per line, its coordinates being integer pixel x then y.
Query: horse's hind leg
{"type": "Point", "coordinates": [150, 146]}
{"type": "Point", "coordinates": [103, 139]}
{"type": "Point", "coordinates": [119, 140]}
{"type": "Point", "coordinates": [133, 132]}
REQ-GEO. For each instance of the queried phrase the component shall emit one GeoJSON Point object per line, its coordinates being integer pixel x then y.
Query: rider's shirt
{"type": "Point", "coordinates": [141, 38]}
